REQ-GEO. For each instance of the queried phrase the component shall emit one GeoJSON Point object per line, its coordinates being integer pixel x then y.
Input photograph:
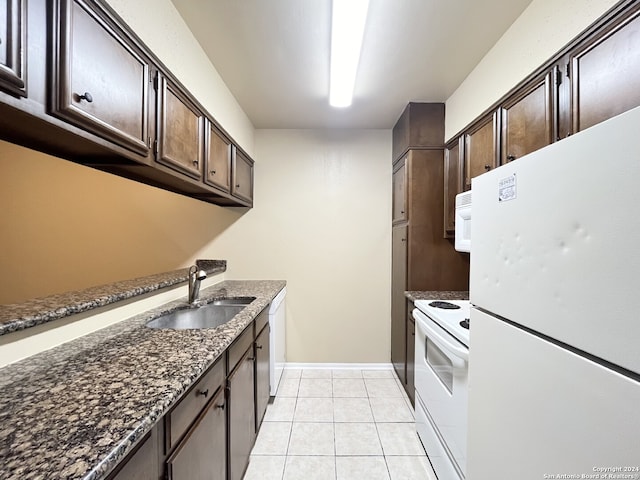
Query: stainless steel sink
{"type": "Point", "coordinates": [210, 315]}
{"type": "Point", "coordinates": [233, 301]}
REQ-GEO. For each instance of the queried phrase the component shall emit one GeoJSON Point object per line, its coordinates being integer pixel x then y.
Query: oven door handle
{"type": "Point", "coordinates": [452, 347]}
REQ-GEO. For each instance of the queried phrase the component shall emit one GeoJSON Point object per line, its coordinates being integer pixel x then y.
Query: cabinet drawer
{"type": "Point", "coordinates": [261, 320]}
{"type": "Point", "coordinates": [188, 408]}
{"type": "Point", "coordinates": [100, 81]}
{"type": "Point", "coordinates": [240, 346]}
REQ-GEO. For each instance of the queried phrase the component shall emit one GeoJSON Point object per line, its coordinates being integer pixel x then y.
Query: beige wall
{"type": "Point", "coordinates": [323, 199]}
{"type": "Point", "coordinates": [66, 227]}
{"type": "Point", "coordinates": [543, 29]}
{"type": "Point", "coordinates": [321, 222]}
{"type": "Point", "coordinates": [321, 219]}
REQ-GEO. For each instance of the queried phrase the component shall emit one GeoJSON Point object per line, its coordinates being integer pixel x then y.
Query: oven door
{"type": "Point", "coordinates": [441, 379]}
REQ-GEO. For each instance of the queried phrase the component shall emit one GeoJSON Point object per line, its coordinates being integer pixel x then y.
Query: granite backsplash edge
{"type": "Point", "coordinates": [38, 311]}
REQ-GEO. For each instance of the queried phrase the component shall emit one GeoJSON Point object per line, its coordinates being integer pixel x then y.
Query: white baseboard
{"type": "Point", "coordinates": [339, 366]}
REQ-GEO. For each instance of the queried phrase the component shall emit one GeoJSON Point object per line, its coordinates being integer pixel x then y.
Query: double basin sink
{"type": "Point", "coordinates": [209, 315]}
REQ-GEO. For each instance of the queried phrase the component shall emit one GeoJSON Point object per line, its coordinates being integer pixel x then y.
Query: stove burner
{"type": "Point", "coordinates": [465, 323]}
{"type": "Point", "coordinates": [444, 305]}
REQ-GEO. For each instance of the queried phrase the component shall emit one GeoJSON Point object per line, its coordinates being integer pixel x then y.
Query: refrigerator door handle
{"type": "Point", "coordinates": [451, 346]}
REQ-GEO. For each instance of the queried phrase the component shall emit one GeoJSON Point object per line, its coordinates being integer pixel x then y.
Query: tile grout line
{"type": "Point", "coordinates": [333, 422]}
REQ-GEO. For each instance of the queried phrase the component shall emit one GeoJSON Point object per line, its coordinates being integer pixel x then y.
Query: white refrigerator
{"type": "Point", "coordinates": [554, 361]}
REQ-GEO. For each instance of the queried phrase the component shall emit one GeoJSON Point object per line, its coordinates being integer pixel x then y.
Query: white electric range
{"type": "Point", "coordinates": [441, 382]}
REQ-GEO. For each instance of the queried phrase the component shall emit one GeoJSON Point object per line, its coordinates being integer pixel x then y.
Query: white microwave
{"type": "Point", "coordinates": [463, 222]}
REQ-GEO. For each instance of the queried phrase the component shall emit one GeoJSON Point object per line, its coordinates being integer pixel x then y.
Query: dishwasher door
{"type": "Point", "coordinates": [277, 337]}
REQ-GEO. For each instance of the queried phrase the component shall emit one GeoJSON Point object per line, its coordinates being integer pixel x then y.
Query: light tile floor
{"type": "Point", "coordinates": [339, 425]}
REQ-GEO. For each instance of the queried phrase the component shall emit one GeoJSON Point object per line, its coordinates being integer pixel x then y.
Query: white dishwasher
{"type": "Point", "coordinates": [277, 337]}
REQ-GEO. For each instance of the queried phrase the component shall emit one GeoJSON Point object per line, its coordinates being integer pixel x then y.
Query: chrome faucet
{"type": "Point", "coordinates": [195, 277]}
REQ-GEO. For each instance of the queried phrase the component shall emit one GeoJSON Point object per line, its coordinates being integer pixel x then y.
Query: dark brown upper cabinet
{"type": "Point", "coordinates": [481, 148]}
{"type": "Point", "coordinates": [605, 73]}
{"type": "Point", "coordinates": [419, 126]}
{"type": "Point", "coordinates": [13, 46]}
{"type": "Point", "coordinates": [100, 80]}
{"type": "Point", "coordinates": [180, 130]}
{"type": "Point", "coordinates": [529, 118]}
{"type": "Point", "coordinates": [453, 183]}
{"type": "Point", "coordinates": [399, 189]}
{"type": "Point", "coordinates": [242, 176]}
{"type": "Point", "coordinates": [218, 158]}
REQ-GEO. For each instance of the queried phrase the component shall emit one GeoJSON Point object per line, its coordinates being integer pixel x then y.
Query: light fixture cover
{"type": "Point", "coordinates": [348, 18]}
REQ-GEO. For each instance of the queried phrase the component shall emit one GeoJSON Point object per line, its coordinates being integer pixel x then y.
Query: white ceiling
{"type": "Point", "coordinates": [274, 55]}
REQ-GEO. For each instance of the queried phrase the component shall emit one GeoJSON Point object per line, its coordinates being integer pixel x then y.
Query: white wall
{"type": "Point", "coordinates": [542, 30]}
{"type": "Point", "coordinates": [321, 222]}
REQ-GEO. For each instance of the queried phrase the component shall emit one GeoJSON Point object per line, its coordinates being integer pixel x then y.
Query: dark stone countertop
{"type": "Point", "coordinates": [437, 295]}
{"type": "Point", "coordinates": [37, 311]}
{"type": "Point", "coordinates": [75, 411]}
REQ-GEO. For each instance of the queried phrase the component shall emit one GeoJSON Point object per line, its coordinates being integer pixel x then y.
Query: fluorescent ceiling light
{"type": "Point", "coordinates": [347, 29]}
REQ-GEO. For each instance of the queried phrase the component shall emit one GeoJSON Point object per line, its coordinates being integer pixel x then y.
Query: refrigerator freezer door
{"type": "Point", "coordinates": [536, 409]}
{"type": "Point", "coordinates": [556, 241]}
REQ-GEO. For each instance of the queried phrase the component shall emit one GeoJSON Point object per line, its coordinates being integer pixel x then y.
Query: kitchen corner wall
{"type": "Point", "coordinates": [321, 219]}
{"type": "Point", "coordinates": [544, 28]}
{"type": "Point", "coordinates": [321, 222]}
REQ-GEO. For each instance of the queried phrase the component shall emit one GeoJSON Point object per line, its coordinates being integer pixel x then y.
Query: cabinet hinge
{"type": "Point", "coordinates": [558, 75]}
{"type": "Point", "coordinates": [568, 70]}
{"type": "Point", "coordinates": [155, 147]}
{"type": "Point", "coordinates": [155, 81]}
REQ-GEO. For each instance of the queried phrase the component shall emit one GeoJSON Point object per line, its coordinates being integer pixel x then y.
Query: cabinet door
{"type": "Point", "coordinates": [202, 454]}
{"type": "Point", "coordinates": [242, 171]}
{"type": "Point", "coordinates": [481, 148]}
{"type": "Point", "coordinates": [142, 464]}
{"type": "Point", "coordinates": [241, 410]}
{"type": "Point", "coordinates": [399, 209]}
{"type": "Point", "coordinates": [188, 408]}
{"type": "Point", "coordinates": [528, 119]}
{"type": "Point", "coordinates": [411, 355]}
{"type": "Point", "coordinates": [398, 300]}
{"type": "Point", "coordinates": [218, 157]}
{"type": "Point", "coordinates": [180, 130]}
{"type": "Point", "coordinates": [263, 384]}
{"type": "Point", "coordinates": [452, 185]}
{"type": "Point", "coordinates": [13, 46]}
{"type": "Point", "coordinates": [605, 75]}
{"type": "Point", "coordinates": [100, 80]}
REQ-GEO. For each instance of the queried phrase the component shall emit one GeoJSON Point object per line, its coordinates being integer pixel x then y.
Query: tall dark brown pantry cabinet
{"type": "Point", "coordinates": [422, 259]}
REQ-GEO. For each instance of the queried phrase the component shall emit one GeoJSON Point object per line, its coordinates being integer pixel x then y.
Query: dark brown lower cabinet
{"type": "Point", "coordinates": [202, 454]}
{"type": "Point", "coordinates": [262, 375]}
{"type": "Point", "coordinates": [142, 464]}
{"type": "Point", "coordinates": [411, 354]}
{"type": "Point", "coordinates": [398, 301]}
{"type": "Point", "coordinates": [241, 406]}
{"type": "Point", "coordinates": [209, 432]}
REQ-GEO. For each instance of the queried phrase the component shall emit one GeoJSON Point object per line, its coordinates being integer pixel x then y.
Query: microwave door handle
{"type": "Point", "coordinates": [458, 351]}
